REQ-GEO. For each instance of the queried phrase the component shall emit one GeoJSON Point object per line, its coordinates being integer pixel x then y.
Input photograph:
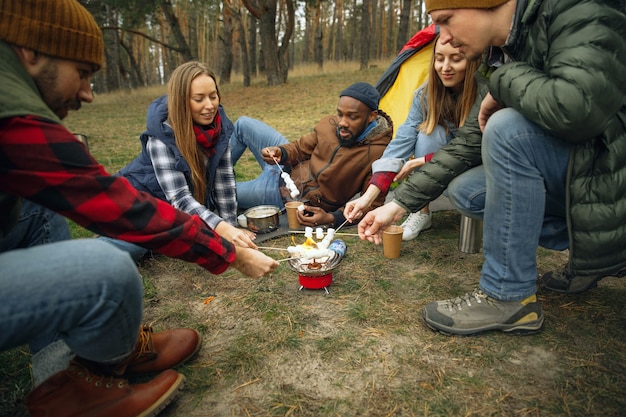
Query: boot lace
{"type": "Point", "coordinates": [144, 342]}
{"type": "Point", "coordinates": [98, 380]}
{"type": "Point", "coordinates": [476, 296]}
{"type": "Point", "coordinates": [144, 348]}
{"type": "Point", "coordinates": [143, 351]}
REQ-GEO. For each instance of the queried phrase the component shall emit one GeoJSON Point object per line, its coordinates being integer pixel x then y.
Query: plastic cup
{"type": "Point", "coordinates": [392, 241]}
{"type": "Point", "coordinates": [292, 214]}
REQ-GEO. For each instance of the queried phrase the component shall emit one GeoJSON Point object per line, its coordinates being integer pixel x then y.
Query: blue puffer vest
{"type": "Point", "coordinates": [140, 172]}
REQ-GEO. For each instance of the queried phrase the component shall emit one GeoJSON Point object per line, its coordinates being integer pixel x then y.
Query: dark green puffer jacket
{"type": "Point", "coordinates": [568, 76]}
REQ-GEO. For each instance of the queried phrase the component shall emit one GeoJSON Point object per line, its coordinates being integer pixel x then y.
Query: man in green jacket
{"type": "Point", "coordinates": [553, 154]}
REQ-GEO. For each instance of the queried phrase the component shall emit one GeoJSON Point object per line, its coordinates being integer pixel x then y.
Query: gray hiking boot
{"type": "Point", "coordinates": [563, 281]}
{"type": "Point", "coordinates": [476, 312]}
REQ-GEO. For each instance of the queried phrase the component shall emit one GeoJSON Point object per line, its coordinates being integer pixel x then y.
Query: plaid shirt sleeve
{"type": "Point", "coordinates": [174, 184]}
{"type": "Point", "coordinates": [43, 162]}
{"type": "Point", "coordinates": [383, 180]}
{"type": "Point", "coordinates": [226, 189]}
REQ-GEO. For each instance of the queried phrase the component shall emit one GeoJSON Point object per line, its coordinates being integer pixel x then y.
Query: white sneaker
{"type": "Point", "coordinates": [414, 224]}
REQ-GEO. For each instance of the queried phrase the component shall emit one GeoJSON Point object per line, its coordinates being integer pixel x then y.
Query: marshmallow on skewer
{"type": "Point", "coordinates": [318, 254]}
{"type": "Point", "coordinates": [308, 232]}
{"type": "Point", "coordinates": [295, 193]}
{"type": "Point", "coordinates": [301, 207]}
{"type": "Point", "coordinates": [319, 233]}
{"type": "Point", "coordinates": [324, 244]}
{"type": "Point", "coordinates": [296, 251]}
{"type": "Point", "coordinates": [330, 233]}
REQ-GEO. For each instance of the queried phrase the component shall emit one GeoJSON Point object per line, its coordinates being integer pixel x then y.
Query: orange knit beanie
{"type": "Point", "coordinates": [59, 28]}
{"type": "Point", "coordinates": [462, 4]}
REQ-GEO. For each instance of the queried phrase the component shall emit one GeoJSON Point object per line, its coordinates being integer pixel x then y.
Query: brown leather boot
{"type": "Point", "coordinates": [156, 352]}
{"type": "Point", "coordinates": [77, 391]}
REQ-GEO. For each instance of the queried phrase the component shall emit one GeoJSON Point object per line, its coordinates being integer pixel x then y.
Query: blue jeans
{"type": "Point", "coordinates": [85, 291]}
{"type": "Point", "coordinates": [417, 144]}
{"type": "Point", "coordinates": [255, 135]}
{"type": "Point", "coordinates": [136, 252]}
{"type": "Point", "coordinates": [53, 290]}
{"type": "Point", "coordinates": [36, 226]}
{"type": "Point", "coordinates": [519, 193]}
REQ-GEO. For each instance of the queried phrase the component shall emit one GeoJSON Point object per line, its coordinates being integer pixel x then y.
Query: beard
{"type": "Point", "coordinates": [347, 141]}
{"type": "Point", "coordinates": [47, 84]}
{"type": "Point", "coordinates": [351, 139]}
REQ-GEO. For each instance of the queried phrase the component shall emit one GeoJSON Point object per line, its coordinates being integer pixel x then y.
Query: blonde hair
{"type": "Point", "coordinates": [442, 104]}
{"type": "Point", "coordinates": [179, 117]}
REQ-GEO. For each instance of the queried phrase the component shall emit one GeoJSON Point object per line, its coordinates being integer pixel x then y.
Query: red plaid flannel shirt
{"type": "Point", "coordinates": [43, 162]}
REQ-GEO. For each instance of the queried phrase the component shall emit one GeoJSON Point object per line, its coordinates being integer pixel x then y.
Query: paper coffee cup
{"type": "Point", "coordinates": [392, 241]}
{"type": "Point", "coordinates": [292, 214]}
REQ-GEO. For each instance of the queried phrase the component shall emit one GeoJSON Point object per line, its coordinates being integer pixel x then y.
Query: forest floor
{"type": "Point", "coordinates": [362, 349]}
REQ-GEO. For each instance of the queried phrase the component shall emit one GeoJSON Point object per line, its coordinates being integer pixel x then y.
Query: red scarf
{"type": "Point", "coordinates": [207, 137]}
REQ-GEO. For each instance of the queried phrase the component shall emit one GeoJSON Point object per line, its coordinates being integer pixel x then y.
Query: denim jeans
{"type": "Point", "coordinates": [85, 291]}
{"type": "Point", "coordinates": [255, 135]}
{"type": "Point", "coordinates": [417, 144]}
{"type": "Point", "coordinates": [56, 292]}
{"type": "Point", "coordinates": [519, 193]}
{"type": "Point", "coordinates": [136, 252]}
{"type": "Point", "coordinates": [36, 226]}
{"type": "Point", "coordinates": [467, 192]}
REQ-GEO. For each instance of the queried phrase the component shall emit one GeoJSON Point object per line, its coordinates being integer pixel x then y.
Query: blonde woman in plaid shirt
{"type": "Point", "coordinates": [185, 157]}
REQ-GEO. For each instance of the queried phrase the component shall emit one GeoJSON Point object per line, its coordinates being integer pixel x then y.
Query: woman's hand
{"type": "Point", "coordinates": [355, 209]}
{"type": "Point", "coordinates": [409, 167]}
{"type": "Point", "coordinates": [238, 237]}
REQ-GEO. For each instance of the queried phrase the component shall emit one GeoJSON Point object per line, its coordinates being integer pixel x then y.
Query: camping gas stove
{"type": "Point", "coordinates": [315, 274]}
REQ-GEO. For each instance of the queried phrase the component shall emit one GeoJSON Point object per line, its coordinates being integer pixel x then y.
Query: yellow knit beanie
{"type": "Point", "coordinates": [59, 28]}
{"type": "Point", "coordinates": [462, 4]}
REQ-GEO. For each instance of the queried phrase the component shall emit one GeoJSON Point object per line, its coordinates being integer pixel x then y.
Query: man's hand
{"type": "Point", "coordinates": [253, 263]}
{"type": "Point", "coordinates": [271, 154]}
{"type": "Point", "coordinates": [314, 216]}
{"type": "Point", "coordinates": [372, 225]}
{"type": "Point", "coordinates": [488, 107]}
{"type": "Point", "coordinates": [238, 237]}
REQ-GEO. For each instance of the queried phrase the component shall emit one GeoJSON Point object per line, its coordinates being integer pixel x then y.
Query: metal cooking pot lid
{"type": "Point", "coordinates": [261, 212]}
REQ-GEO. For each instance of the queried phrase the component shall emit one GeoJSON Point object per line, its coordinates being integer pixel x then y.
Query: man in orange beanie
{"type": "Point", "coordinates": [83, 294]}
{"type": "Point", "coordinates": [553, 170]}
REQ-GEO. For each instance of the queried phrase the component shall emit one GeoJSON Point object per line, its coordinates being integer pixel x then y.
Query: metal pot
{"type": "Point", "coordinates": [262, 219]}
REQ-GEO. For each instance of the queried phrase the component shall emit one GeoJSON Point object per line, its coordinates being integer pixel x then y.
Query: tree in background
{"type": "Point", "coordinates": [275, 54]}
{"type": "Point", "coordinates": [146, 39]}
